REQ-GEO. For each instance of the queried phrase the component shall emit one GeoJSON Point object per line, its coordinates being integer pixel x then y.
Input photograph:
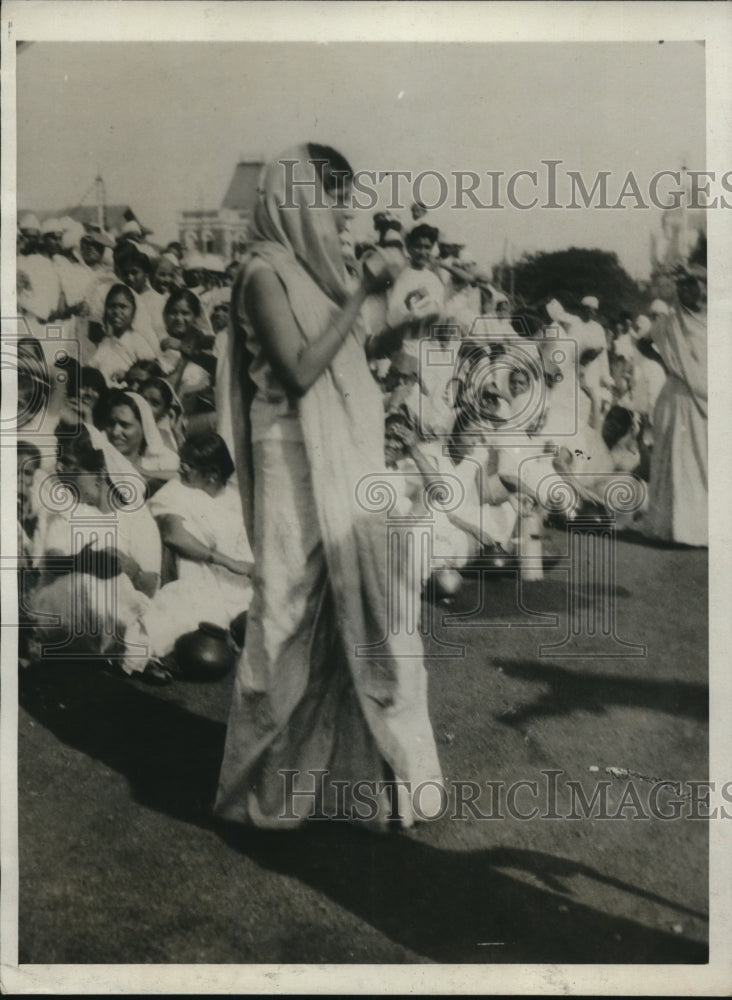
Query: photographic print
{"type": "Point", "coordinates": [358, 587]}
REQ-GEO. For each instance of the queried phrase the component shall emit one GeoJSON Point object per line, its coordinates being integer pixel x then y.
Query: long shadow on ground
{"type": "Point", "coordinates": [571, 691]}
{"type": "Point", "coordinates": [448, 906]}
{"type": "Point", "coordinates": [459, 906]}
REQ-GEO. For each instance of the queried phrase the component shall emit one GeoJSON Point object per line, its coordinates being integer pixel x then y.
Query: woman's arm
{"type": "Point", "coordinates": [144, 581]}
{"type": "Point", "coordinates": [296, 363]}
{"type": "Point", "coordinates": [183, 543]}
{"type": "Point", "coordinates": [594, 419]}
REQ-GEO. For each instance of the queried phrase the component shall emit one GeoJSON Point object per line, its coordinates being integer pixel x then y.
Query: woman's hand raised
{"type": "Point", "coordinates": [380, 270]}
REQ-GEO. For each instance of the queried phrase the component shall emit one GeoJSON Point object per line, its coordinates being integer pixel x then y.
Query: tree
{"type": "Point", "coordinates": [569, 275]}
{"type": "Point", "coordinates": [699, 253]}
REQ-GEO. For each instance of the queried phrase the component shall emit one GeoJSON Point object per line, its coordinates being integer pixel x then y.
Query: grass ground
{"type": "Point", "coordinates": [121, 862]}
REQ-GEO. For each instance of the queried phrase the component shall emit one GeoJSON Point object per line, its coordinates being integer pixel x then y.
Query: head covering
{"type": "Point", "coordinates": [342, 421]}
{"type": "Point", "coordinates": [156, 458]}
{"type": "Point", "coordinates": [29, 222]}
{"type": "Point", "coordinates": [642, 325]}
{"type": "Point", "coordinates": [591, 302]}
{"type": "Point", "coordinates": [149, 251]}
{"type": "Point", "coordinates": [51, 226]}
{"type": "Point", "coordinates": [100, 237]}
{"type": "Point", "coordinates": [284, 218]}
{"type": "Point", "coordinates": [121, 471]}
{"type": "Point", "coordinates": [214, 262]}
{"type": "Point", "coordinates": [130, 487]}
{"type": "Point", "coordinates": [623, 346]}
{"type": "Point", "coordinates": [132, 228]}
{"type": "Point", "coordinates": [72, 236]}
{"type": "Point", "coordinates": [556, 310]}
{"type": "Point", "coordinates": [194, 261]}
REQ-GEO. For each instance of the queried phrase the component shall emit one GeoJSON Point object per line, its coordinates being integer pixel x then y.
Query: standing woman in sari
{"type": "Point", "coordinates": [324, 683]}
{"type": "Point", "coordinates": [677, 492]}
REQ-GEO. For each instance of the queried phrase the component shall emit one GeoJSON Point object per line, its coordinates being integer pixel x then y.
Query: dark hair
{"type": "Point", "coordinates": [28, 451]}
{"type": "Point", "coordinates": [159, 383]}
{"type": "Point", "coordinates": [126, 254]}
{"type": "Point", "coordinates": [33, 375]}
{"type": "Point", "coordinates": [617, 423]}
{"type": "Point", "coordinates": [400, 417]}
{"type": "Point", "coordinates": [120, 289]}
{"type": "Point", "coordinates": [207, 452]}
{"type": "Point", "coordinates": [382, 223]}
{"type": "Point", "coordinates": [148, 366]}
{"type": "Point", "coordinates": [339, 169]}
{"type": "Point", "coordinates": [183, 294]}
{"type": "Point", "coordinates": [91, 378]}
{"type": "Point", "coordinates": [646, 348]}
{"type": "Point", "coordinates": [30, 355]}
{"type": "Point", "coordinates": [79, 445]}
{"type": "Point", "coordinates": [423, 231]}
{"type": "Point", "coordinates": [526, 324]}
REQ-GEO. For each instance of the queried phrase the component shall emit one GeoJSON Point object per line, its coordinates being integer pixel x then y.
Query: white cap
{"type": "Point", "coordinates": [100, 237]}
{"type": "Point", "coordinates": [72, 235]}
{"type": "Point", "coordinates": [213, 262]}
{"type": "Point", "coordinates": [659, 307]}
{"type": "Point", "coordinates": [623, 346]}
{"type": "Point", "coordinates": [194, 262]}
{"type": "Point", "coordinates": [29, 221]}
{"type": "Point", "coordinates": [642, 325]}
{"type": "Point", "coordinates": [591, 301]}
{"type": "Point", "coordinates": [149, 251]}
{"type": "Point", "coordinates": [132, 226]}
{"type": "Point", "coordinates": [555, 309]}
{"type": "Point", "coordinates": [51, 226]}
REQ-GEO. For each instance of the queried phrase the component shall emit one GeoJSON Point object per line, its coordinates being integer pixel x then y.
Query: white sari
{"type": "Point", "coordinates": [677, 495]}
{"type": "Point", "coordinates": [80, 613]}
{"type": "Point", "coordinates": [324, 682]}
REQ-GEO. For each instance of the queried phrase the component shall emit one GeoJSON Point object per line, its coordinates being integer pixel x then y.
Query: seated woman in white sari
{"type": "Point", "coordinates": [200, 520]}
{"type": "Point", "coordinates": [131, 428]}
{"type": "Point", "coordinates": [188, 360]}
{"type": "Point", "coordinates": [121, 345]}
{"type": "Point", "coordinates": [166, 409]}
{"type": "Point", "coordinates": [101, 550]}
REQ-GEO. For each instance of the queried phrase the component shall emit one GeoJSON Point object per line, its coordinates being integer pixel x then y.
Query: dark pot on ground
{"type": "Point", "coordinates": [207, 653]}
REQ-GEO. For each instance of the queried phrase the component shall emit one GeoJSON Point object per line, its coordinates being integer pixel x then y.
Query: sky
{"type": "Point", "coordinates": [165, 123]}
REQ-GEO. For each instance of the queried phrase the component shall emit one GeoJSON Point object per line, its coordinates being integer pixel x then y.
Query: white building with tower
{"type": "Point", "coordinates": [223, 230]}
